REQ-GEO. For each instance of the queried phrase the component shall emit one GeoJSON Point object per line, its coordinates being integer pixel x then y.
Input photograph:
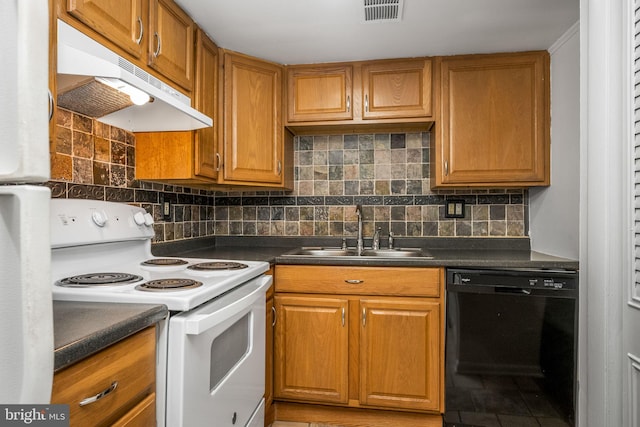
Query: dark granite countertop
{"type": "Point", "coordinates": [446, 252]}
{"type": "Point", "coordinates": [84, 328]}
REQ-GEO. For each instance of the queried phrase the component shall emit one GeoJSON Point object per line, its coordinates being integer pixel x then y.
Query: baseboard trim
{"type": "Point", "coordinates": [352, 417]}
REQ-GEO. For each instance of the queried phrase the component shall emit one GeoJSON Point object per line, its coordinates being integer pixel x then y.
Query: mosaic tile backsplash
{"type": "Point", "coordinates": [388, 174]}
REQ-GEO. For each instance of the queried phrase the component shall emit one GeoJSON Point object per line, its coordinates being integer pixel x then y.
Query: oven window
{"type": "Point", "coordinates": [227, 349]}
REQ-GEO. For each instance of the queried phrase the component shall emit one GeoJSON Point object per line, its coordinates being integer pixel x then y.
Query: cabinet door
{"type": "Point", "coordinates": [268, 392]}
{"type": "Point", "coordinates": [171, 42]}
{"type": "Point", "coordinates": [207, 159]}
{"type": "Point", "coordinates": [400, 353]}
{"type": "Point", "coordinates": [253, 141]}
{"type": "Point", "coordinates": [495, 120]}
{"type": "Point", "coordinates": [396, 89]}
{"type": "Point", "coordinates": [311, 346]}
{"type": "Point", "coordinates": [120, 21]}
{"type": "Point", "coordinates": [317, 93]}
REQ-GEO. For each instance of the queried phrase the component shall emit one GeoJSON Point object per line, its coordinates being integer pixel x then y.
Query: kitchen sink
{"type": "Point", "coordinates": [325, 252]}
{"type": "Point", "coordinates": [351, 252]}
{"type": "Point", "coordinates": [393, 253]}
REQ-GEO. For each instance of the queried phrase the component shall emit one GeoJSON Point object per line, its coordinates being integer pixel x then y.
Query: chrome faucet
{"type": "Point", "coordinates": [360, 243]}
{"type": "Point", "coordinates": [375, 244]}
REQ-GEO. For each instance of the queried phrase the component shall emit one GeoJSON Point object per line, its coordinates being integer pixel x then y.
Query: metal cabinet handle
{"type": "Point", "coordinates": [343, 314]}
{"type": "Point", "coordinates": [354, 281]}
{"type": "Point", "coordinates": [348, 104]}
{"type": "Point", "coordinates": [141, 33]}
{"type": "Point", "coordinates": [364, 317]}
{"type": "Point", "coordinates": [366, 103]}
{"type": "Point", "coordinates": [273, 310]}
{"type": "Point", "coordinates": [218, 162]}
{"type": "Point", "coordinates": [446, 168]}
{"type": "Point", "coordinates": [100, 395]}
{"type": "Point", "coordinates": [279, 167]}
{"type": "Point", "coordinates": [158, 44]}
{"type": "Point", "coordinates": [51, 105]}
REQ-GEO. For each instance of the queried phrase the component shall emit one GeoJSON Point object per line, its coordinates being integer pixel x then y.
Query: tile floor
{"type": "Point", "coordinates": [491, 401]}
{"type": "Point", "coordinates": [500, 401]}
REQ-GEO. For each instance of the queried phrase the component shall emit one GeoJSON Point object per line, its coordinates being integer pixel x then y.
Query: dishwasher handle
{"type": "Point", "coordinates": [516, 291]}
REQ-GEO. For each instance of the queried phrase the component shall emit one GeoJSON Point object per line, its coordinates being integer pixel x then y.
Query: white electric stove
{"type": "Point", "coordinates": [211, 346]}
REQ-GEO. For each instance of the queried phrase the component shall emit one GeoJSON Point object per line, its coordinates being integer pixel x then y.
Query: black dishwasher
{"type": "Point", "coordinates": [511, 338]}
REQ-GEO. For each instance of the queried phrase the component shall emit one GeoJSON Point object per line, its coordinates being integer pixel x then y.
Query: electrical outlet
{"type": "Point", "coordinates": [165, 207]}
{"type": "Point", "coordinates": [166, 210]}
{"type": "Point", "coordinates": [454, 209]}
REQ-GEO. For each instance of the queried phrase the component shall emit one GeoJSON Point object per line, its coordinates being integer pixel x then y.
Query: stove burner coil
{"type": "Point", "coordinates": [98, 279]}
{"type": "Point", "coordinates": [217, 266]}
{"type": "Point", "coordinates": [164, 262]}
{"type": "Point", "coordinates": [166, 285]}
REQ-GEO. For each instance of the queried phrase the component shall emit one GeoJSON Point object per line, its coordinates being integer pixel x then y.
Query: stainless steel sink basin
{"type": "Point", "coordinates": [393, 253]}
{"type": "Point", "coordinates": [377, 253]}
{"type": "Point", "coordinates": [325, 252]}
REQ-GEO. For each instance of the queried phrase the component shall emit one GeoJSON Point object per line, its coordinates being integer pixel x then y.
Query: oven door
{"type": "Point", "coordinates": [215, 369]}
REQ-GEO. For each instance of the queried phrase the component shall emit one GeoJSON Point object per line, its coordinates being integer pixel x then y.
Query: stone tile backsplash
{"type": "Point", "coordinates": [388, 174]}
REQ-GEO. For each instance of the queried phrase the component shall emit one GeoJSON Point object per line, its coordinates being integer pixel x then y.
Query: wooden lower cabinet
{"type": "Point", "coordinates": [143, 414]}
{"type": "Point", "coordinates": [130, 365]}
{"type": "Point", "coordinates": [311, 342]}
{"type": "Point", "coordinates": [268, 367]}
{"type": "Point", "coordinates": [399, 353]}
{"type": "Point", "coordinates": [383, 350]}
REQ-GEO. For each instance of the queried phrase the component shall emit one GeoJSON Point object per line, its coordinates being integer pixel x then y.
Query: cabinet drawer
{"type": "Point", "coordinates": [130, 363]}
{"type": "Point", "coordinates": [407, 281]}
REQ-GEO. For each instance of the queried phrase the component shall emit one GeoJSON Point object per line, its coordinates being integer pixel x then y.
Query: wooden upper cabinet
{"type": "Point", "coordinates": [156, 35]}
{"type": "Point", "coordinates": [248, 149]}
{"type": "Point", "coordinates": [319, 92]}
{"type": "Point", "coordinates": [123, 22]}
{"type": "Point", "coordinates": [494, 121]}
{"type": "Point", "coordinates": [253, 132]}
{"type": "Point", "coordinates": [187, 158]}
{"type": "Point", "coordinates": [207, 158]}
{"type": "Point", "coordinates": [360, 95]}
{"type": "Point", "coordinates": [396, 89]}
{"type": "Point", "coordinates": [171, 33]}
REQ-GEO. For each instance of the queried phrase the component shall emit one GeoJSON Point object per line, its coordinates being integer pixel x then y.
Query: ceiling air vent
{"type": "Point", "coordinates": [382, 10]}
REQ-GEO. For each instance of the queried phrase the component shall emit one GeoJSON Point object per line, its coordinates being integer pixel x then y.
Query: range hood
{"type": "Point", "coordinates": [88, 75]}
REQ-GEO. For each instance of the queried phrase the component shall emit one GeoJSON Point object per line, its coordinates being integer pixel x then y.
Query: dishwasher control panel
{"type": "Point", "coordinates": [513, 278]}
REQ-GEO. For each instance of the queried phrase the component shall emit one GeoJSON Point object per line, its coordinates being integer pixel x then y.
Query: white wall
{"type": "Point", "coordinates": [554, 211]}
{"type": "Point", "coordinates": [603, 217]}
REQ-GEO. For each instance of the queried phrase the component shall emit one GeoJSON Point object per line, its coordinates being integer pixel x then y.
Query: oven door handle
{"type": "Point", "coordinates": [247, 294]}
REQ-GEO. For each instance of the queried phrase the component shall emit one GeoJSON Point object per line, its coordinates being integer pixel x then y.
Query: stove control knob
{"type": "Point", "coordinates": [148, 219]}
{"type": "Point", "coordinates": [138, 218]}
{"type": "Point", "coordinates": [99, 218]}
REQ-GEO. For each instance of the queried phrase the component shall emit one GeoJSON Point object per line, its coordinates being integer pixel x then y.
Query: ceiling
{"type": "Point", "coordinates": [314, 31]}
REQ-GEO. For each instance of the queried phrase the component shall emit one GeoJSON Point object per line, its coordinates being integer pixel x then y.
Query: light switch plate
{"type": "Point", "coordinates": [454, 209]}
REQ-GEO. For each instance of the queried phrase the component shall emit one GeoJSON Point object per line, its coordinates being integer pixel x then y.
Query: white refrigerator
{"type": "Point", "coordinates": [26, 315]}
